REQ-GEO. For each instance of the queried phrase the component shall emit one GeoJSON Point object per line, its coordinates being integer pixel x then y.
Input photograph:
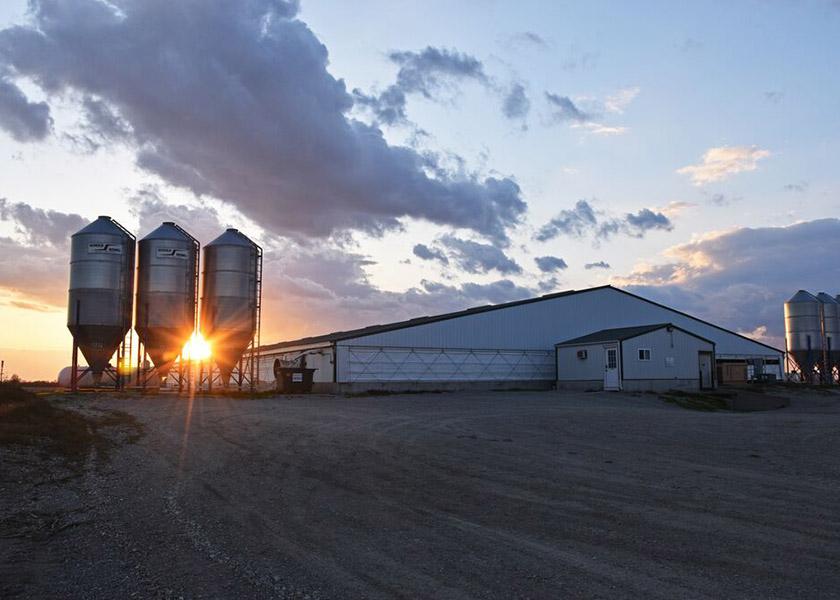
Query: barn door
{"type": "Point", "coordinates": [611, 375]}
{"type": "Point", "coordinates": [706, 381]}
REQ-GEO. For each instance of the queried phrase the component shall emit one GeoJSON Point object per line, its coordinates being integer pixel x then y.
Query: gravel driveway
{"type": "Point", "coordinates": [457, 495]}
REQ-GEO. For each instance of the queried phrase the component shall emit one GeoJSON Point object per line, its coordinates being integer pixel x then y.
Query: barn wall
{"type": "Point", "coordinates": [591, 369]}
{"type": "Point", "coordinates": [679, 346]}
{"type": "Point", "coordinates": [369, 364]}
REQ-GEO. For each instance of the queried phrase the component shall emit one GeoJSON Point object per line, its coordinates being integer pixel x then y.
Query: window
{"type": "Point", "coordinates": [644, 354]}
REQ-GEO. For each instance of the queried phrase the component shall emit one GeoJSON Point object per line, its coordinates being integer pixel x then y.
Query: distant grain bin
{"type": "Point", "coordinates": [99, 307]}
{"type": "Point", "coordinates": [831, 328]}
{"type": "Point", "coordinates": [230, 301]}
{"type": "Point", "coordinates": [803, 331]}
{"type": "Point", "coordinates": [167, 287]}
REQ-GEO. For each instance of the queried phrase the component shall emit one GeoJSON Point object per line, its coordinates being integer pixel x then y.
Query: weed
{"type": "Point", "coordinates": [29, 420]}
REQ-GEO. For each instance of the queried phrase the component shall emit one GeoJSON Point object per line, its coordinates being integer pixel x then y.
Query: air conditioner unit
{"type": "Point", "coordinates": [581, 354]}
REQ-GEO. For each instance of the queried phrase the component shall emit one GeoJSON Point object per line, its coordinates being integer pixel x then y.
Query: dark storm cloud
{"type": "Point", "coordinates": [25, 121]}
{"type": "Point", "coordinates": [563, 109]}
{"type": "Point", "coordinates": [583, 219]}
{"type": "Point", "coordinates": [596, 265]}
{"type": "Point", "coordinates": [474, 257]}
{"type": "Point", "coordinates": [234, 100]}
{"type": "Point", "coordinates": [422, 251]}
{"type": "Point", "coordinates": [39, 226]}
{"type": "Point", "coordinates": [516, 104]}
{"type": "Point", "coordinates": [550, 264]}
{"type": "Point", "coordinates": [427, 73]}
{"type": "Point", "coordinates": [102, 120]}
{"type": "Point", "coordinates": [740, 279]}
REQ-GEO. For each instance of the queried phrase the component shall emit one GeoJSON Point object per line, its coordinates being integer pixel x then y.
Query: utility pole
{"type": "Point", "coordinates": [2, 368]}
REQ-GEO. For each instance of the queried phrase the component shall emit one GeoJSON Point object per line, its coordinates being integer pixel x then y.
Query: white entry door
{"type": "Point", "coordinates": [611, 377]}
{"type": "Point", "coordinates": [706, 381]}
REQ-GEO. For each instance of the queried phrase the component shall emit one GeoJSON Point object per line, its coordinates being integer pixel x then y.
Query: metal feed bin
{"type": "Point", "coordinates": [293, 380]}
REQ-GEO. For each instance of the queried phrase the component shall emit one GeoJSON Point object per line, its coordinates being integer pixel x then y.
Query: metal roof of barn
{"type": "Point", "coordinates": [338, 336]}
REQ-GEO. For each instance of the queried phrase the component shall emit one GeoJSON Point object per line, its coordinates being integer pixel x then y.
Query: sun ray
{"type": "Point", "coordinates": [197, 348]}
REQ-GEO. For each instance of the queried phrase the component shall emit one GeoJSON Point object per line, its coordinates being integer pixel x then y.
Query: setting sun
{"type": "Point", "coordinates": [197, 348]}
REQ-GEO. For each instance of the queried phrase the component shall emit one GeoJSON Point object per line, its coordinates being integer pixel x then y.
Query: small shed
{"type": "Point", "coordinates": [654, 357]}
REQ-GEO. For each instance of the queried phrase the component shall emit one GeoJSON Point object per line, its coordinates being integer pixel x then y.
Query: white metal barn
{"type": "Point", "coordinates": [505, 345]}
{"type": "Point", "coordinates": [649, 357]}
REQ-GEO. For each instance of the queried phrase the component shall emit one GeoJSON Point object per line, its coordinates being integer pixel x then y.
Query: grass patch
{"type": "Point", "coordinates": [13, 391]}
{"type": "Point", "coordinates": [697, 400]}
{"type": "Point", "coordinates": [32, 421]}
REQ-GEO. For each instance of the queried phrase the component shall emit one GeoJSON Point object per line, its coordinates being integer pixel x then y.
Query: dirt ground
{"type": "Point", "coordinates": [458, 495]}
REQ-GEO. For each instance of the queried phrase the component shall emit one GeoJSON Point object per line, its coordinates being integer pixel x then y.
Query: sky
{"type": "Point", "coordinates": [400, 159]}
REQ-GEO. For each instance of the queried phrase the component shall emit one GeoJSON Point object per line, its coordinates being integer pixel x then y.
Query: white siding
{"type": "Point", "coordinates": [384, 364]}
{"type": "Point", "coordinates": [572, 368]}
{"type": "Point", "coordinates": [677, 345]}
{"type": "Point", "coordinates": [540, 325]}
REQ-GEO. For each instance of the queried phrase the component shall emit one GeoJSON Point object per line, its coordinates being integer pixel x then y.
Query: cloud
{"type": "Point", "coordinates": [516, 104]}
{"type": "Point", "coordinates": [234, 101]}
{"type": "Point", "coordinates": [322, 290]}
{"type": "Point", "coordinates": [571, 222]}
{"type": "Point", "coordinates": [34, 268]}
{"type": "Point", "coordinates": [550, 264]}
{"type": "Point", "coordinates": [33, 306]}
{"type": "Point", "coordinates": [690, 45]}
{"type": "Point", "coordinates": [25, 121]}
{"type": "Point", "coordinates": [528, 39]}
{"type": "Point", "coordinates": [578, 59]}
{"type": "Point", "coordinates": [427, 73]}
{"type": "Point", "coordinates": [646, 220]}
{"type": "Point", "coordinates": [475, 257]}
{"type": "Point", "coordinates": [596, 265]}
{"type": "Point", "coordinates": [723, 199]}
{"type": "Point", "coordinates": [583, 219]}
{"type": "Point", "coordinates": [727, 277]}
{"type": "Point", "coordinates": [616, 103]}
{"type": "Point", "coordinates": [201, 221]}
{"type": "Point", "coordinates": [721, 163]}
{"type": "Point", "coordinates": [800, 186]}
{"type": "Point", "coordinates": [563, 109]}
{"type": "Point", "coordinates": [548, 285]}
{"type": "Point", "coordinates": [600, 129]}
{"type": "Point", "coordinates": [39, 226]}
{"type": "Point", "coordinates": [774, 96]}
{"type": "Point", "coordinates": [675, 208]}
{"type": "Point", "coordinates": [423, 252]}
